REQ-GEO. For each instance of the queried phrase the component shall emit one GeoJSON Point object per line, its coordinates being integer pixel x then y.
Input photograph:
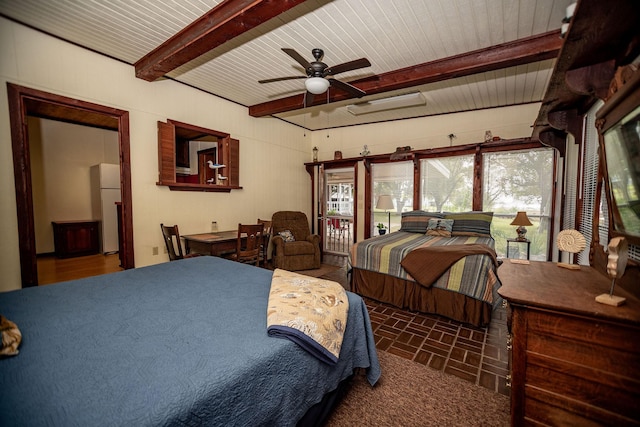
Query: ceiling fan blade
{"type": "Point", "coordinates": [308, 99]}
{"type": "Point", "coordinates": [358, 93]}
{"type": "Point", "coordinates": [277, 79]}
{"type": "Point", "coordinates": [298, 58]}
{"type": "Point", "coordinates": [348, 66]}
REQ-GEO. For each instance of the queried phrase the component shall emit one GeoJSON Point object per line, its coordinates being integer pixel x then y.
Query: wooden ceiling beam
{"type": "Point", "coordinates": [518, 52]}
{"type": "Point", "coordinates": [224, 22]}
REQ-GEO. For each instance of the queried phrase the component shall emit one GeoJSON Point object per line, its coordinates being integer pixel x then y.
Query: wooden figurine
{"type": "Point", "coordinates": [570, 241]}
{"type": "Point", "coordinates": [616, 264]}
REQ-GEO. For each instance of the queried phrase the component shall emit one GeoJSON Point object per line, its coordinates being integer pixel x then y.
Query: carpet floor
{"type": "Point", "coordinates": [411, 394]}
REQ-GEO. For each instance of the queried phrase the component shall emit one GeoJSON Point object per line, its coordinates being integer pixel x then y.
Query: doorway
{"type": "Point", "coordinates": [24, 102]}
{"type": "Point", "coordinates": [339, 209]}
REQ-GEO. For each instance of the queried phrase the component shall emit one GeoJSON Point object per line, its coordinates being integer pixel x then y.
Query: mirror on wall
{"type": "Point", "coordinates": [620, 140]}
{"type": "Point", "coordinates": [192, 158]}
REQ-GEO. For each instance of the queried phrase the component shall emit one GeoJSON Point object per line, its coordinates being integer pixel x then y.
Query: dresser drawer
{"type": "Point", "coordinates": [598, 344]}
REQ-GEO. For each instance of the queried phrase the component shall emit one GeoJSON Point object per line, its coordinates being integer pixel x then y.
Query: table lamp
{"type": "Point", "coordinates": [521, 220]}
{"type": "Point", "coordinates": [385, 202]}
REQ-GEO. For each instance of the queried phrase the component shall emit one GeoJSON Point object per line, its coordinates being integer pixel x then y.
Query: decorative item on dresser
{"type": "Point", "coordinates": [573, 361]}
{"type": "Point", "coordinates": [571, 241]}
{"type": "Point", "coordinates": [617, 263]}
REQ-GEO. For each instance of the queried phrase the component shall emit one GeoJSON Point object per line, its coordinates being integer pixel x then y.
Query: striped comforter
{"type": "Point", "coordinates": [473, 275]}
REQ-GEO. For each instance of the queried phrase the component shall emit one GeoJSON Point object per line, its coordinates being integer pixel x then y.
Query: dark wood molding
{"type": "Point", "coordinates": [477, 179]}
{"type": "Point", "coordinates": [569, 121]}
{"type": "Point", "coordinates": [227, 20]}
{"type": "Point", "coordinates": [229, 150]}
{"type": "Point", "coordinates": [518, 52]}
{"type": "Point", "coordinates": [593, 80]}
{"type": "Point", "coordinates": [599, 32]}
{"type": "Point", "coordinates": [551, 137]}
{"type": "Point", "coordinates": [207, 188]}
{"type": "Point", "coordinates": [22, 101]}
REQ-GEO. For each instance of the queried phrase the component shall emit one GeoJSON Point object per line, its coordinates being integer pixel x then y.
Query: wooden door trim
{"type": "Point", "coordinates": [25, 101]}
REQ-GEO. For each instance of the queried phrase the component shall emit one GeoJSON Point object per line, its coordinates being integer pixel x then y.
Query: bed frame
{"type": "Point", "coordinates": [465, 292]}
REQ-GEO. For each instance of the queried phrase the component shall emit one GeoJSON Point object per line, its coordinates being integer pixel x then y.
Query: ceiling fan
{"type": "Point", "coordinates": [317, 72]}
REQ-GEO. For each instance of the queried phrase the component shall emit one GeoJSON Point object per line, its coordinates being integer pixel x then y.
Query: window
{"type": "Point", "coordinates": [446, 184]}
{"type": "Point", "coordinates": [395, 180]}
{"type": "Point", "coordinates": [519, 181]}
{"type": "Point", "coordinates": [184, 152]}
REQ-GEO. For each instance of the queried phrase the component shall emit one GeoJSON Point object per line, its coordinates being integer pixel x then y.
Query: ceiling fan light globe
{"type": "Point", "coordinates": [316, 85]}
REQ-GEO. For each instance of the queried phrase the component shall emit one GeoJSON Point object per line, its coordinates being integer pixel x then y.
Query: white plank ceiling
{"type": "Point", "coordinates": [392, 34]}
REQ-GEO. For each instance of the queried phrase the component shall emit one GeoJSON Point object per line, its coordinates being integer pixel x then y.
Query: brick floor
{"type": "Point", "coordinates": [477, 355]}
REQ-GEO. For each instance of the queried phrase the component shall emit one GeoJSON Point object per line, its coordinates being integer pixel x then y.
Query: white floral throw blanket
{"type": "Point", "coordinates": [310, 312]}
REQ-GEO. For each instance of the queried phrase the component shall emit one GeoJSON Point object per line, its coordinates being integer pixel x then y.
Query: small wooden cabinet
{"type": "Point", "coordinates": [574, 361]}
{"type": "Point", "coordinates": [76, 238]}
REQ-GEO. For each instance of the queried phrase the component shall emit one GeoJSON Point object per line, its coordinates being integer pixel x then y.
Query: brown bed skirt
{"type": "Point", "coordinates": [410, 295]}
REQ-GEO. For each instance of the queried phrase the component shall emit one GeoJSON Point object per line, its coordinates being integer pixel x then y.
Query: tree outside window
{"type": "Point", "coordinates": [395, 179]}
{"type": "Point", "coordinates": [446, 184]}
{"type": "Point", "coordinates": [519, 181]}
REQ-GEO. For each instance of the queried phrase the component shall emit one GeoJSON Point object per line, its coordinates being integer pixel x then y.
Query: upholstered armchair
{"type": "Point", "coordinates": [294, 247]}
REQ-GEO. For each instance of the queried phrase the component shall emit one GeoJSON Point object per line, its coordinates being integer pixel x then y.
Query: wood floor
{"type": "Point", "coordinates": [54, 270]}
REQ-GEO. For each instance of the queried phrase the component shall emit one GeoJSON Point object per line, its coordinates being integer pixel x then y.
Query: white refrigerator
{"type": "Point", "coordinates": [105, 192]}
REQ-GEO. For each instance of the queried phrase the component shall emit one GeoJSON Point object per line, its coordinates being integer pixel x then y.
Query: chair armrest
{"type": "Point", "coordinates": [278, 244]}
{"type": "Point", "coordinates": [314, 238]}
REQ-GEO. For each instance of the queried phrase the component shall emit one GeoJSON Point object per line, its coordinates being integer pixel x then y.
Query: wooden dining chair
{"type": "Point", "coordinates": [264, 247]}
{"type": "Point", "coordinates": [248, 244]}
{"type": "Point", "coordinates": [173, 243]}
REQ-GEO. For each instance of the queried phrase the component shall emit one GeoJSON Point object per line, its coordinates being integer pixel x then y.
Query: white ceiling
{"type": "Point", "coordinates": [391, 34]}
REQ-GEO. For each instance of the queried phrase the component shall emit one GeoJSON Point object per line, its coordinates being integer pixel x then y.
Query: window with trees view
{"type": "Point", "coordinates": [394, 179]}
{"type": "Point", "coordinates": [519, 181]}
{"type": "Point", "coordinates": [446, 184]}
{"type": "Point", "coordinates": [513, 180]}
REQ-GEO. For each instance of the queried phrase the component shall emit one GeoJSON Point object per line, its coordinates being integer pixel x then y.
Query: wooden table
{"type": "Point", "coordinates": [220, 243]}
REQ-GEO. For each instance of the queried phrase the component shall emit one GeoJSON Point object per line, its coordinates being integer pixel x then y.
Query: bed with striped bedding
{"type": "Point", "coordinates": [466, 291]}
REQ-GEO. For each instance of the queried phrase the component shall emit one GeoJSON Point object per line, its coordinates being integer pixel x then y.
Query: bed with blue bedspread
{"type": "Point", "coordinates": [453, 264]}
{"type": "Point", "coordinates": [179, 343]}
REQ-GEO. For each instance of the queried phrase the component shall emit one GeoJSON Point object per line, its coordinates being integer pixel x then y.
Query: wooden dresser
{"type": "Point", "coordinates": [76, 238]}
{"type": "Point", "coordinates": [574, 361]}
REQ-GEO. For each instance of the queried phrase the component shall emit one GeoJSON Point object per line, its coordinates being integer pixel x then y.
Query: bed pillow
{"type": "Point", "coordinates": [439, 227]}
{"type": "Point", "coordinates": [417, 221]}
{"type": "Point", "coordinates": [471, 223]}
{"type": "Point", "coordinates": [287, 236]}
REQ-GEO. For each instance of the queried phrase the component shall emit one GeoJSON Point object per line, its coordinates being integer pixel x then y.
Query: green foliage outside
{"type": "Point", "coordinates": [513, 181]}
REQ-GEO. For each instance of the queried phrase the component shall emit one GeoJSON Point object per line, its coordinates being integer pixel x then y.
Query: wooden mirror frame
{"type": "Point", "coordinates": [616, 108]}
{"type": "Point", "coordinates": [229, 153]}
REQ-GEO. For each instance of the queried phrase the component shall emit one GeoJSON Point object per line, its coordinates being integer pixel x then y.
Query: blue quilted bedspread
{"type": "Point", "coordinates": [180, 343]}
